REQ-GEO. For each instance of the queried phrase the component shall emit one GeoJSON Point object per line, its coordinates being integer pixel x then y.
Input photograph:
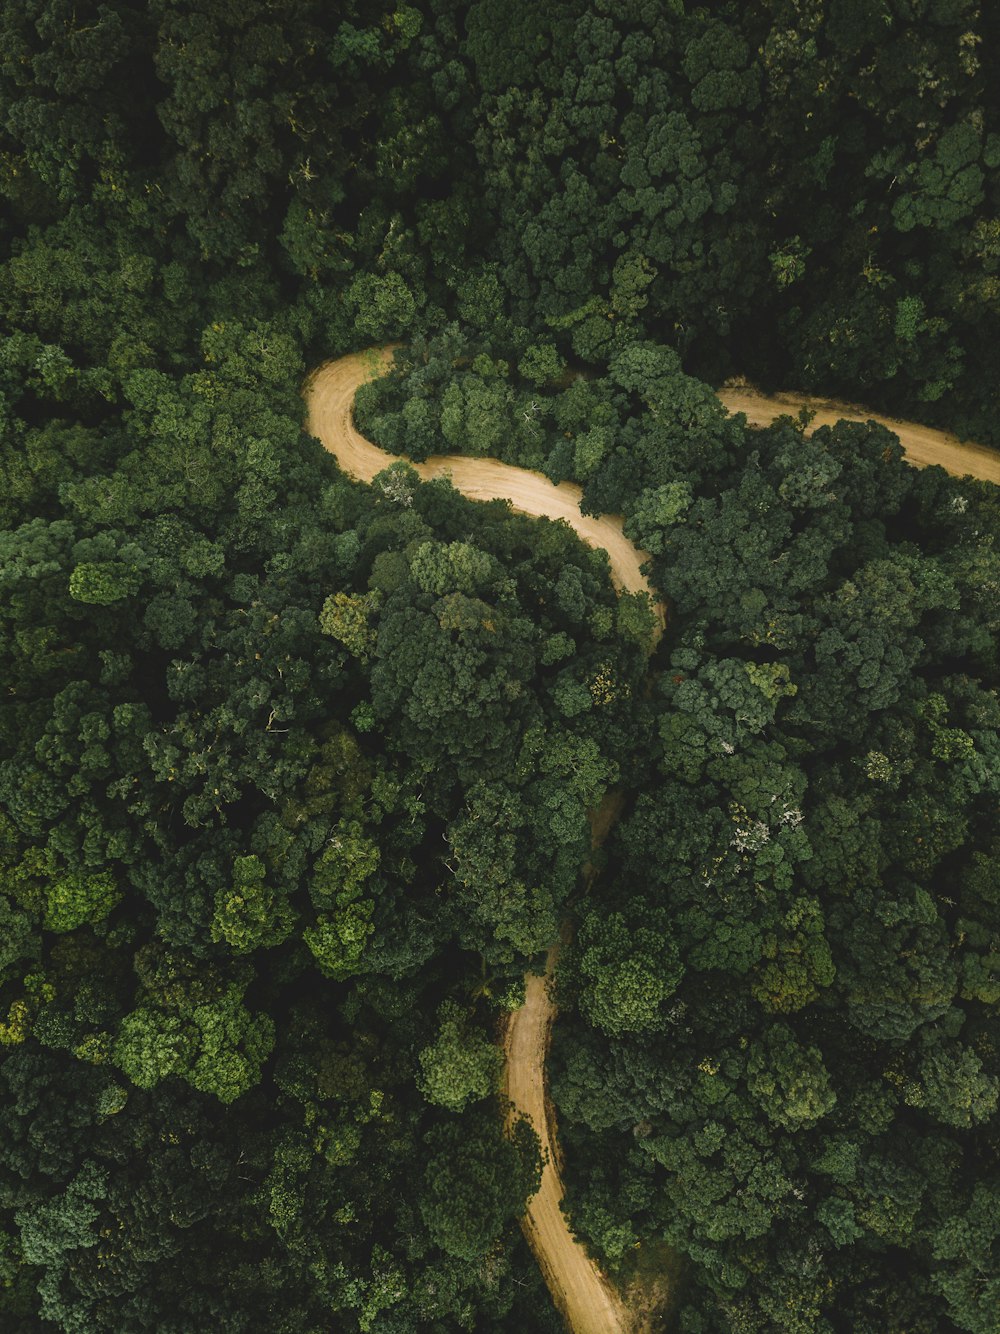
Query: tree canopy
{"type": "Point", "coordinates": [295, 773]}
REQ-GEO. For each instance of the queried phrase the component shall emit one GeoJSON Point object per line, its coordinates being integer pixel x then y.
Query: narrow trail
{"type": "Point", "coordinates": [589, 1304]}
{"type": "Point", "coordinates": [587, 1301]}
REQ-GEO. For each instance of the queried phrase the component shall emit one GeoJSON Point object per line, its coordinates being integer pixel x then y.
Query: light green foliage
{"type": "Point", "coordinates": [589, 450]}
{"type": "Point", "coordinates": [248, 914]}
{"type": "Point", "coordinates": [384, 306]}
{"type": "Point", "coordinates": [909, 318]}
{"type": "Point", "coordinates": [789, 1081]}
{"type": "Point", "coordinates": [571, 697]}
{"type": "Point", "coordinates": [772, 679]}
{"type": "Point", "coordinates": [541, 364]}
{"type": "Point", "coordinates": [949, 744]}
{"type": "Point", "coordinates": [346, 617]}
{"type": "Point", "coordinates": [461, 1065]}
{"type": "Point", "coordinates": [627, 969]}
{"type": "Point", "coordinates": [486, 414]}
{"type": "Point", "coordinates": [345, 865]}
{"type": "Point", "coordinates": [439, 568]}
{"type": "Point", "coordinates": [152, 1045]}
{"type": "Point", "coordinates": [797, 963]}
{"type": "Point", "coordinates": [113, 1099]}
{"type": "Point", "coordinates": [247, 354]}
{"type": "Point", "coordinates": [216, 1046]}
{"type": "Point", "coordinates": [480, 297]}
{"type": "Point", "coordinates": [344, 918]}
{"type": "Point", "coordinates": [337, 940]}
{"type": "Point", "coordinates": [75, 898]}
{"type": "Point", "coordinates": [632, 275]}
{"type": "Point", "coordinates": [839, 1159]}
{"type": "Point", "coordinates": [102, 582]}
{"type": "Point", "coordinates": [878, 767]}
{"type": "Point", "coordinates": [635, 621]}
{"type": "Point", "coordinates": [452, 420]}
{"type": "Point", "coordinates": [556, 648]}
{"type": "Point", "coordinates": [953, 1087]}
{"type": "Point", "coordinates": [658, 509]}
{"type": "Point", "coordinates": [232, 1045]}
{"type": "Point", "coordinates": [788, 262]}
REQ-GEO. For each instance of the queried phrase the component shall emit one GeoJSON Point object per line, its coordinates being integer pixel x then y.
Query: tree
{"type": "Point", "coordinates": [627, 968]}
{"type": "Point", "coordinates": [789, 1081]}
{"type": "Point", "coordinates": [963, 1245]}
{"type": "Point", "coordinates": [450, 672]}
{"type": "Point", "coordinates": [217, 1046]}
{"type": "Point", "coordinates": [476, 1183]}
{"type": "Point", "coordinates": [460, 1066]}
{"type": "Point", "coordinates": [384, 306]}
{"type": "Point", "coordinates": [248, 915]}
{"type": "Point", "coordinates": [953, 1087]}
{"type": "Point", "coordinates": [53, 1231]}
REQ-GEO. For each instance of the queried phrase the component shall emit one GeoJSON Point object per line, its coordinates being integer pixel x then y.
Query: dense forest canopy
{"type": "Point", "coordinates": [295, 772]}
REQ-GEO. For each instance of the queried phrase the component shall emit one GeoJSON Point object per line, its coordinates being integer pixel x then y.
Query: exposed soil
{"type": "Point", "coordinates": [589, 1304]}
{"type": "Point", "coordinates": [585, 1298]}
{"type": "Point", "coordinates": [922, 444]}
{"type": "Point", "coordinates": [587, 1301]}
{"type": "Point", "coordinates": [330, 397]}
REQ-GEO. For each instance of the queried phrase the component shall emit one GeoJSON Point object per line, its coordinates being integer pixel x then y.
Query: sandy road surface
{"type": "Point", "coordinates": [923, 445]}
{"type": "Point", "coordinates": [330, 397]}
{"type": "Point", "coordinates": [586, 1300]}
{"type": "Point", "coordinates": [589, 1304]}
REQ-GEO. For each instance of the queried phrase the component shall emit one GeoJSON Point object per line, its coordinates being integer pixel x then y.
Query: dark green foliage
{"type": "Point", "coordinates": [815, 821]}
{"type": "Point", "coordinates": [295, 774]}
{"type": "Point", "coordinates": [246, 742]}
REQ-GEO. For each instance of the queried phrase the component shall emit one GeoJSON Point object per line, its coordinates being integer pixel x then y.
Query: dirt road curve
{"type": "Point", "coordinates": [330, 396]}
{"type": "Point", "coordinates": [923, 445]}
{"type": "Point", "coordinates": [588, 1303]}
{"type": "Point", "coordinates": [586, 1300]}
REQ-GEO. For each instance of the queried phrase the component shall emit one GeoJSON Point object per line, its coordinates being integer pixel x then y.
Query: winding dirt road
{"type": "Point", "coordinates": [330, 398]}
{"type": "Point", "coordinates": [923, 445]}
{"type": "Point", "coordinates": [587, 1301]}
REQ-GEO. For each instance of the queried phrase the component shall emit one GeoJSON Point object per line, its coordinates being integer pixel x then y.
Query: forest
{"type": "Point", "coordinates": [295, 771]}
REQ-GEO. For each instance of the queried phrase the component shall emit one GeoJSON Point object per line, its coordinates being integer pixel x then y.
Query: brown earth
{"type": "Point", "coordinates": [589, 1304]}
{"type": "Point", "coordinates": [330, 398]}
{"type": "Point", "coordinates": [922, 444]}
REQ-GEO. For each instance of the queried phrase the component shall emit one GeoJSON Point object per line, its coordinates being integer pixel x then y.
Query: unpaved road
{"type": "Point", "coordinates": [586, 1300]}
{"type": "Point", "coordinates": [330, 397]}
{"type": "Point", "coordinates": [588, 1303]}
{"type": "Point", "coordinates": [922, 444]}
